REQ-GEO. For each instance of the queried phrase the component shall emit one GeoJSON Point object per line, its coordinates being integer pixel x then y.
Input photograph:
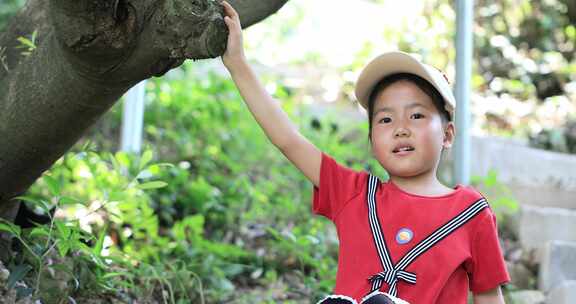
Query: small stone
{"type": "Point", "coordinates": [4, 274]}
{"type": "Point", "coordinates": [527, 297]}
{"type": "Point", "coordinates": [521, 276]}
{"type": "Point", "coordinates": [514, 255]}
{"type": "Point", "coordinates": [532, 258]}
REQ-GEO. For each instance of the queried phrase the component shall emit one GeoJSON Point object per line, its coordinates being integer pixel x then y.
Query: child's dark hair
{"type": "Point", "coordinates": [420, 82]}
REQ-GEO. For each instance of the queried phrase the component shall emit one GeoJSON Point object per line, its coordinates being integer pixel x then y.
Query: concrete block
{"type": "Point", "coordinates": [539, 225]}
{"type": "Point", "coordinates": [545, 195]}
{"type": "Point", "coordinates": [563, 294]}
{"type": "Point", "coordinates": [558, 265]}
{"type": "Point", "coordinates": [527, 165]}
{"type": "Point", "coordinates": [534, 176]}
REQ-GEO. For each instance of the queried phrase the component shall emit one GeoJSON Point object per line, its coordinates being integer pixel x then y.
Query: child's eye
{"type": "Point", "coordinates": [385, 120]}
{"type": "Point", "coordinates": [417, 116]}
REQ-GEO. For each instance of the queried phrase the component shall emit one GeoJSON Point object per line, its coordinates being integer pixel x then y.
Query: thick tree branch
{"type": "Point", "coordinates": [93, 51]}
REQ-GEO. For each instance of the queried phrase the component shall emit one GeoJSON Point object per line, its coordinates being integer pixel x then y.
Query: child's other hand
{"type": "Point", "coordinates": [234, 54]}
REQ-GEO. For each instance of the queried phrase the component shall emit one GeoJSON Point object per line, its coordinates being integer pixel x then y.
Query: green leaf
{"type": "Point", "coordinates": [146, 158]}
{"type": "Point", "coordinates": [26, 199]}
{"type": "Point", "coordinates": [41, 230]}
{"type": "Point", "coordinates": [42, 204]}
{"type": "Point", "coordinates": [9, 227]}
{"type": "Point", "coordinates": [169, 165]}
{"type": "Point", "coordinates": [117, 196]}
{"type": "Point", "coordinates": [152, 185]}
{"type": "Point", "coordinates": [34, 35]}
{"type": "Point", "coordinates": [570, 31]}
{"type": "Point", "coordinates": [475, 180]}
{"type": "Point", "coordinates": [26, 43]}
{"type": "Point", "coordinates": [64, 230]}
{"type": "Point", "coordinates": [18, 273]}
{"type": "Point", "coordinates": [123, 159]}
{"type": "Point", "coordinates": [509, 203]}
{"type": "Point", "coordinates": [100, 243]}
{"type": "Point", "coordinates": [114, 161]}
{"type": "Point", "coordinates": [87, 146]}
{"type": "Point", "coordinates": [53, 185]}
{"type": "Point", "coordinates": [112, 275]}
{"type": "Point", "coordinates": [63, 248]}
{"type": "Point", "coordinates": [491, 179]}
{"type": "Point", "coordinates": [290, 236]}
{"type": "Point", "coordinates": [67, 200]}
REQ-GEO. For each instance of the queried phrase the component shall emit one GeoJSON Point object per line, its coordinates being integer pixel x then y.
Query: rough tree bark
{"type": "Point", "coordinates": [89, 53]}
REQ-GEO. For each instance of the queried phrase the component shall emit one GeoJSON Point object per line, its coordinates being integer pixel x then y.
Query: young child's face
{"type": "Point", "coordinates": [407, 131]}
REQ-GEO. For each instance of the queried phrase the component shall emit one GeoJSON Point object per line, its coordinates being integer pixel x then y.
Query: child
{"type": "Point", "coordinates": [411, 236]}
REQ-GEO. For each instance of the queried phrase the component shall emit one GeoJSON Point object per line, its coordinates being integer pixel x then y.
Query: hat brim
{"type": "Point", "coordinates": [399, 62]}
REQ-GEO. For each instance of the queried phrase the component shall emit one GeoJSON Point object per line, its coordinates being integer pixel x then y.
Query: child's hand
{"type": "Point", "coordinates": [234, 54]}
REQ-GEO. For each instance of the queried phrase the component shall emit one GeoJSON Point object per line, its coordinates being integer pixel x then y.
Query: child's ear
{"type": "Point", "coordinates": [449, 135]}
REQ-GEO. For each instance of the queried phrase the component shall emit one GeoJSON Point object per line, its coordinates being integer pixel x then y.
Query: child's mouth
{"type": "Point", "coordinates": [403, 150]}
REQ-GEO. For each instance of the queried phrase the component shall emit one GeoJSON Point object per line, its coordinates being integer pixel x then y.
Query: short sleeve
{"type": "Point", "coordinates": [487, 269]}
{"type": "Point", "coordinates": [338, 184]}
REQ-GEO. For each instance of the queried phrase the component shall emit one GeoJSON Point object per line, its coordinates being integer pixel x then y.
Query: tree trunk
{"type": "Point", "coordinates": [89, 53]}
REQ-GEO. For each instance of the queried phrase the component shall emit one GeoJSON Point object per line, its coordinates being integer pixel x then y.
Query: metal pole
{"type": "Point", "coordinates": [464, 52]}
{"type": "Point", "coordinates": [132, 119]}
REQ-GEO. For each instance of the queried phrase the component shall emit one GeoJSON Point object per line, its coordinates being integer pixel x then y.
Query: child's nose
{"type": "Point", "coordinates": [401, 132]}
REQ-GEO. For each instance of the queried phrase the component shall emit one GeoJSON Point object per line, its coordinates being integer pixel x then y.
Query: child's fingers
{"type": "Point", "coordinates": [229, 22]}
{"type": "Point", "coordinates": [230, 11]}
{"type": "Point", "coordinates": [231, 19]}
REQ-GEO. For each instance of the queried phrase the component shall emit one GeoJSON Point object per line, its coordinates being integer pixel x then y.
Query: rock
{"type": "Point", "coordinates": [4, 274]}
{"type": "Point", "coordinates": [539, 225]}
{"type": "Point", "coordinates": [531, 259]}
{"type": "Point", "coordinates": [527, 297]}
{"type": "Point", "coordinates": [563, 294]}
{"type": "Point", "coordinates": [557, 264]}
{"type": "Point", "coordinates": [508, 226]}
{"type": "Point", "coordinates": [514, 254]}
{"type": "Point", "coordinates": [521, 276]}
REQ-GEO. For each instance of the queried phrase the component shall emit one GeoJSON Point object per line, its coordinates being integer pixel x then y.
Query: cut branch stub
{"type": "Point", "coordinates": [193, 29]}
{"type": "Point", "coordinates": [131, 40]}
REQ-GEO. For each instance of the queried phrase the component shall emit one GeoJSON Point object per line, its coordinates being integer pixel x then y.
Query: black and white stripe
{"type": "Point", "coordinates": [392, 273]}
{"type": "Point", "coordinates": [378, 237]}
{"type": "Point", "coordinates": [442, 232]}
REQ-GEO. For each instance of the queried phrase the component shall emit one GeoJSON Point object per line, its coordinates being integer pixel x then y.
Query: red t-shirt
{"type": "Point", "coordinates": [469, 258]}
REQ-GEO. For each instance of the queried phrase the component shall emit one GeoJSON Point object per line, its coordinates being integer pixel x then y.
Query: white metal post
{"type": "Point", "coordinates": [464, 52]}
{"type": "Point", "coordinates": [133, 118]}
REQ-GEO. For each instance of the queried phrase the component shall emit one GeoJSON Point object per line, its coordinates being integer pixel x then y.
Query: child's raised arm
{"type": "Point", "coordinates": [275, 123]}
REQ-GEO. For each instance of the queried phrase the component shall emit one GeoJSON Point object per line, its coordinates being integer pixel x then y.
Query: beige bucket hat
{"type": "Point", "coordinates": [400, 62]}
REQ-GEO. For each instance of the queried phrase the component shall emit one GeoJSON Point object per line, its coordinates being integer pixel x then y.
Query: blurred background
{"type": "Point", "coordinates": [211, 212]}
